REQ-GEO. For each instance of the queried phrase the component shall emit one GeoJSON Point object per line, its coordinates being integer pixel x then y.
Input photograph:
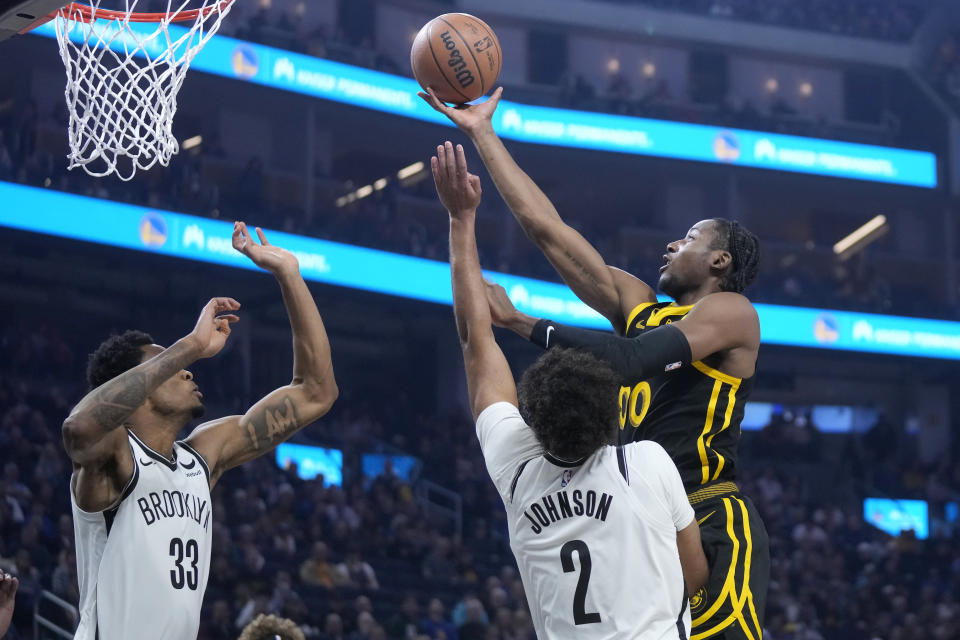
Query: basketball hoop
{"type": "Point", "coordinates": [123, 76]}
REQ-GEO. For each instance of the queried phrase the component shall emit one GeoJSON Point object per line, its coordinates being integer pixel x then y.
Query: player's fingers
{"type": "Point", "coordinates": [238, 239]}
{"type": "Point", "coordinates": [219, 305]}
{"type": "Point", "coordinates": [223, 326]}
{"type": "Point", "coordinates": [438, 175]}
{"type": "Point", "coordinates": [441, 162]}
{"type": "Point", "coordinates": [229, 317]}
{"type": "Point", "coordinates": [450, 160]}
{"type": "Point", "coordinates": [437, 103]}
{"type": "Point", "coordinates": [429, 97]}
{"type": "Point", "coordinates": [263, 238]}
{"type": "Point", "coordinates": [495, 97]}
{"type": "Point", "coordinates": [426, 98]}
{"type": "Point", "coordinates": [444, 158]}
{"type": "Point", "coordinates": [462, 172]}
{"type": "Point", "coordinates": [474, 181]}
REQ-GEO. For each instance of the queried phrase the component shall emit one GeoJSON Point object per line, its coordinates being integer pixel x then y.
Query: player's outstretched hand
{"type": "Point", "coordinates": [459, 190]}
{"type": "Point", "coordinates": [8, 594]}
{"type": "Point", "coordinates": [471, 118]}
{"type": "Point", "coordinates": [264, 255]}
{"type": "Point", "coordinates": [502, 311]}
{"type": "Point", "coordinates": [212, 329]}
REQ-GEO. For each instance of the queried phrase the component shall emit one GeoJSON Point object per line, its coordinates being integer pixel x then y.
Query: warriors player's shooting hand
{"type": "Point", "coordinates": [459, 190]}
{"type": "Point", "coordinates": [471, 118]}
{"type": "Point", "coordinates": [212, 330]}
{"type": "Point", "coordinates": [264, 255]}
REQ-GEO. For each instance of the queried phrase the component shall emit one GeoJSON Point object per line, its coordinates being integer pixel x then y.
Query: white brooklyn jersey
{"type": "Point", "coordinates": [596, 540]}
{"type": "Point", "coordinates": [143, 563]}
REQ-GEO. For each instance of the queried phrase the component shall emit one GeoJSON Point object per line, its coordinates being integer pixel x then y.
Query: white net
{"type": "Point", "coordinates": [123, 75]}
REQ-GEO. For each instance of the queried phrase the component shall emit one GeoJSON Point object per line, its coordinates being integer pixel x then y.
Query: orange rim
{"type": "Point", "coordinates": [86, 13]}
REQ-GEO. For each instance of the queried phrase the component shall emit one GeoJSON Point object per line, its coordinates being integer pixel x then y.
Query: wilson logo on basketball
{"type": "Point", "coordinates": [456, 62]}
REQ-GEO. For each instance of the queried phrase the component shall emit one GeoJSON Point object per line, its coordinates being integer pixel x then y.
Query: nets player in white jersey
{"type": "Point", "coordinates": [141, 499]}
{"type": "Point", "coordinates": [571, 498]}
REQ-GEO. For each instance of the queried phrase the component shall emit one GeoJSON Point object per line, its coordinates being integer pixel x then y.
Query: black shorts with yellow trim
{"type": "Point", "coordinates": [735, 541]}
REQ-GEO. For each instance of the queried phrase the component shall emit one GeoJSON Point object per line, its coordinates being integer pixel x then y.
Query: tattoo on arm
{"type": "Point", "coordinates": [110, 404]}
{"type": "Point", "coordinates": [277, 422]}
{"type": "Point", "coordinates": [583, 270]}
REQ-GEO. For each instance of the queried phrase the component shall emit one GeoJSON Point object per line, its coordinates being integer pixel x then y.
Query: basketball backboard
{"type": "Point", "coordinates": [17, 15]}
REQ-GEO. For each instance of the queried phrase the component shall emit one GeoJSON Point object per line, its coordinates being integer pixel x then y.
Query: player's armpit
{"type": "Point", "coordinates": [719, 322]}
{"type": "Point", "coordinates": [234, 440]}
{"type": "Point", "coordinates": [99, 483]}
{"type": "Point", "coordinates": [489, 379]}
{"type": "Point", "coordinates": [692, 559]}
{"type": "Point", "coordinates": [631, 292]}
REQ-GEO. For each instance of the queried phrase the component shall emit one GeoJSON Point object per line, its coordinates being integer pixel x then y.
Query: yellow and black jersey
{"type": "Point", "coordinates": [693, 412]}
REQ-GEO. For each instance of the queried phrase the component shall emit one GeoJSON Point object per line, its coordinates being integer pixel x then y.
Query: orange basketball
{"type": "Point", "coordinates": [456, 55]}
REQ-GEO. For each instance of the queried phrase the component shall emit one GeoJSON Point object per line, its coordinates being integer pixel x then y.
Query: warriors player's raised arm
{"type": "Point", "coordinates": [610, 291]}
{"type": "Point", "coordinates": [233, 440]}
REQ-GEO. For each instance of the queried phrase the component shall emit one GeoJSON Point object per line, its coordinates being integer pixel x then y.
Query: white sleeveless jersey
{"type": "Point", "coordinates": [143, 563]}
{"type": "Point", "coordinates": [595, 541]}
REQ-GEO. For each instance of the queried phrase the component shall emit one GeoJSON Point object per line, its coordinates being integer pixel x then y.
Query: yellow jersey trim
{"type": "Point", "coordinates": [636, 311]}
{"type": "Point", "coordinates": [714, 490]}
{"type": "Point", "coordinates": [665, 312]}
{"type": "Point", "coordinates": [716, 375]}
{"type": "Point", "coordinates": [707, 425]}
{"type": "Point", "coordinates": [743, 600]}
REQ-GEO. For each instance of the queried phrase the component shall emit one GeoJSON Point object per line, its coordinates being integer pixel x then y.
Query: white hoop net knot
{"type": "Point", "coordinates": [124, 70]}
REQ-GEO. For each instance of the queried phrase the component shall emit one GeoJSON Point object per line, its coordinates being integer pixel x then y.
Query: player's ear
{"type": "Point", "coordinates": [721, 260]}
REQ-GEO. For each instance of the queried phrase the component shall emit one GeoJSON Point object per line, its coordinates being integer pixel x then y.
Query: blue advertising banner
{"type": "Point", "coordinates": [205, 240]}
{"type": "Point", "coordinates": [388, 93]}
{"type": "Point", "coordinates": [896, 516]}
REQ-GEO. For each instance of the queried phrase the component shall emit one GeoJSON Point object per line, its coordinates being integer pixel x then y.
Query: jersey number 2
{"type": "Point", "coordinates": [580, 616]}
{"type": "Point", "coordinates": [180, 576]}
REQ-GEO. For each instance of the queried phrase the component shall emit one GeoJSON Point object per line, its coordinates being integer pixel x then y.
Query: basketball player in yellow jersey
{"type": "Point", "coordinates": [687, 366]}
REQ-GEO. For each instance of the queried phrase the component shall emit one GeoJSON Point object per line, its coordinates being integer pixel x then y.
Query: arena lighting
{"type": "Point", "coordinates": [190, 143]}
{"type": "Point", "coordinates": [116, 224]}
{"type": "Point", "coordinates": [410, 170]}
{"type": "Point", "coordinates": [378, 185]}
{"type": "Point", "coordinates": [859, 239]}
{"type": "Point", "coordinates": [386, 93]}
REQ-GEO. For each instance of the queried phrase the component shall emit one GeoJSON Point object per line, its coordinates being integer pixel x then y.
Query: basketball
{"type": "Point", "coordinates": [458, 56]}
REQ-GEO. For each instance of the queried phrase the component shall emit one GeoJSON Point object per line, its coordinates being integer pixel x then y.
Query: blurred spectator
{"type": "Point", "coordinates": [317, 571]}
{"type": "Point", "coordinates": [406, 621]}
{"type": "Point", "coordinates": [356, 573]}
{"type": "Point", "coordinates": [895, 20]}
{"type": "Point", "coordinates": [435, 625]}
{"type": "Point", "coordinates": [333, 628]}
{"type": "Point", "coordinates": [474, 624]}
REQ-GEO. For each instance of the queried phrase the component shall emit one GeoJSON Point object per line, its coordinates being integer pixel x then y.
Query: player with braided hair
{"type": "Point", "coordinates": [686, 367]}
{"type": "Point", "coordinates": [744, 248]}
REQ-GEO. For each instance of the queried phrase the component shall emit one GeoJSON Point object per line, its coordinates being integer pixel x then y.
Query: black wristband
{"type": "Point", "coordinates": [541, 333]}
